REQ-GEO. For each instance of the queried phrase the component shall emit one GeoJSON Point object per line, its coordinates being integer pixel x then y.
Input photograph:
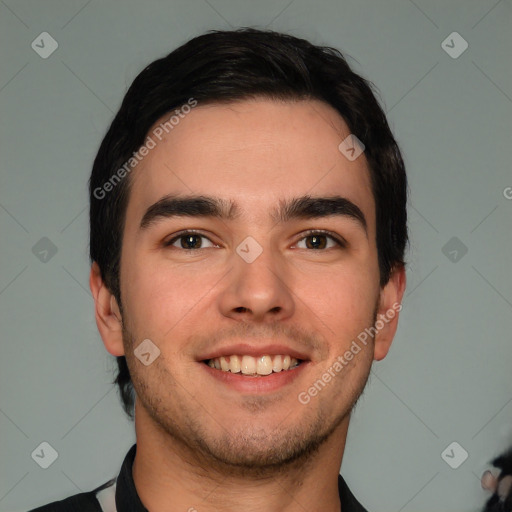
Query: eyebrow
{"type": "Point", "coordinates": [304, 207]}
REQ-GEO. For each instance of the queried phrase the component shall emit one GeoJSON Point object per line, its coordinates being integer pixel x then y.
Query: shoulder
{"type": "Point", "coordinates": [83, 502]}
{"type": "Point", "coordinates": [349, 502]}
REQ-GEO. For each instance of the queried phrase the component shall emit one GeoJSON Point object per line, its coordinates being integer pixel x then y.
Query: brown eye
{"type": "Point", "coordinates": [319, 240]}
{"type": "Point", "coordinates": [188, 241]}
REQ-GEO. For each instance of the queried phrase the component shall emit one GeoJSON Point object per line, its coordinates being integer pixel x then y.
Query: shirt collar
{"type": "Point", "coordinates": [127, 499]}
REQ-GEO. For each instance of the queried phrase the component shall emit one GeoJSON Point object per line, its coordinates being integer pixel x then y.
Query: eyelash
{"type": "Point", "coordinates": [339, 241]}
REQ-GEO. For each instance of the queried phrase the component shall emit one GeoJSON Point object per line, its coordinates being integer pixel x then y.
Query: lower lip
{"type": "Point", "coordinates": [256, 385]}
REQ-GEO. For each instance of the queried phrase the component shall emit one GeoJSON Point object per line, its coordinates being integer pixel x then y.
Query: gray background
{"type": "Point", "coordinates": [448, 375]}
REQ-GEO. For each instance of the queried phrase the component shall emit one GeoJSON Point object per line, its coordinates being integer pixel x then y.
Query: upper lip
{"type": "Point", "coordinates": [254, 351]}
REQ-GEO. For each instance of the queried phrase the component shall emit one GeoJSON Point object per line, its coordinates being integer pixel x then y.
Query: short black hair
{"type": "Point", "coordinates": [226, 66]}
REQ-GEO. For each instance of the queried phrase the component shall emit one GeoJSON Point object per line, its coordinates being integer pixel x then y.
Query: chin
{"type": "Point", "coordinates": [258, 452]}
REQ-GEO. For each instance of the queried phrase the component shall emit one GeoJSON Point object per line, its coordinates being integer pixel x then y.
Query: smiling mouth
{"type": "Point", "coordinates": [254, 366]}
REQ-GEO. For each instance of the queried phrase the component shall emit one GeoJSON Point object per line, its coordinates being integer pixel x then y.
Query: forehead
{"type": "Point", "coordinates": [255, 152]}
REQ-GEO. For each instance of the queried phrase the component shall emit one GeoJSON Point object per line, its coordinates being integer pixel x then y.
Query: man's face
{"type": "Point", "coordinates": [303, 294]}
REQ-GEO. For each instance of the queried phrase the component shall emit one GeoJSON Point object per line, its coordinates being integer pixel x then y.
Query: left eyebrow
{"type": "Point", "coordinates": [304, 207]}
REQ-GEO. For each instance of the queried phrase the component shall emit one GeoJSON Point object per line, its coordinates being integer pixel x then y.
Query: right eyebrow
{"type": "Point", "coordinates": [189, 206]}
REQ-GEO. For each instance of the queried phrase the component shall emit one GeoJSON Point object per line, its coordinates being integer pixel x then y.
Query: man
{"type": "Point", "coordinates": [248, 227]}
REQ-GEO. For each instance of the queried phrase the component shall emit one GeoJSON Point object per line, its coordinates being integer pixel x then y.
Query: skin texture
{"type": "Point", "coordinates": [199, 442]}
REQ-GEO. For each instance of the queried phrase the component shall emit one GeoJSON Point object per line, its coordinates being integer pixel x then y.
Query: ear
{"type": "Point", "coordinates": [390, 304]}
{"type": "Point", "coordinates": [108, 316]}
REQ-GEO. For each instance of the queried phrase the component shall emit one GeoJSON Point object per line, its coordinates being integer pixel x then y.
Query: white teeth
{"type": "Point", "coordinates": [248, 365]}
{"type": "Point", "coordinates": [264, 365]}
{"type": "Point", "coordinates": [234, 364]}
{"type": "Point", "coordinates": [277, 365]}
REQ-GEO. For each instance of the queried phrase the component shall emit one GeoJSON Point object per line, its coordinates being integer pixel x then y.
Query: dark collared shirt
{"type": "Point", "coordinates": [120, 495]}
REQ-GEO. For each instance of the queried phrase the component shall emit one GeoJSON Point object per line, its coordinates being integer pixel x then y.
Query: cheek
{"type": "Point", "coordinates": [344, 299]}
{"type": "Point", "coordinates": [159, 294]}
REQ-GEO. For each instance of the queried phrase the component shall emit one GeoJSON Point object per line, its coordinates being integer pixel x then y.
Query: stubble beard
{"type": "Point", "coordinates": [243, 452]}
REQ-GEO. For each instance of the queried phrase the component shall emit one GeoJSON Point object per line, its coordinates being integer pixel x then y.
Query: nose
{"type": "Point", "coordinates": [258, 290]}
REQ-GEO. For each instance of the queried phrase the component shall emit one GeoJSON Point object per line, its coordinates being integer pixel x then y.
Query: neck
{"type": "Point", "coordinates": [169, 477]}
